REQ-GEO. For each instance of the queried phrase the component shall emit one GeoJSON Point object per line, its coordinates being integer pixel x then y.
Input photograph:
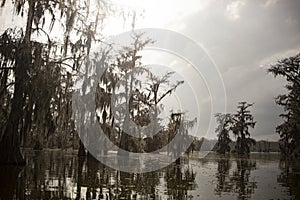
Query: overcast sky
{"type": "Point", "coordinates": [242, 37]}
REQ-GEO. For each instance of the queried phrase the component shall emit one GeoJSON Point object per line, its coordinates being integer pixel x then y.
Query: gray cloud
{"type": "Point", "coordinates": [240, 44]}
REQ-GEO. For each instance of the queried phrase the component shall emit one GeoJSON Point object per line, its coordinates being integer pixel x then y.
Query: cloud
{"type": "Point", "coordinates": [242, 37]}
{"type": "Point", "coordinates": [233, 9]}
{"type": "Point", "coordinates": [258, 37]}
{"type": "Point", "coordinates": [278, 56]}
{"type": "Point", "coordinates": [269, 3]}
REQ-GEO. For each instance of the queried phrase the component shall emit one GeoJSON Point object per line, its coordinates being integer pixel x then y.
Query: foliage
{"type": "Point", "coordinates": [238, 124]}
{"type": "Point", "coordinates": [223, 129]}
{"type": "Point", "coordinates": [127, 82]}
{"type": "Point", "coordinates": [36, 69]}
{"type": "Point", "coordinates": [289, 130]}
{"type": "Point", "coordinates": [242, 121]}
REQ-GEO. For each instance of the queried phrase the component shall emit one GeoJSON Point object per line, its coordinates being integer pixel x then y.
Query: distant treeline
{"type": "Point", "coordinates": [204, 144]}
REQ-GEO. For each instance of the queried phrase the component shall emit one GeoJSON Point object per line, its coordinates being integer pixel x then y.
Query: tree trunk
{"type": "Point", "coordinates": [8, 184]}
{"type": "Point", "coordinates": [81, 151]}
{"type": "Point", "coordinates": [10, 144]}
{"type": "Point", "coordinates": [79, 177]}
{"type": "Point", "coordinates": [10, 152]}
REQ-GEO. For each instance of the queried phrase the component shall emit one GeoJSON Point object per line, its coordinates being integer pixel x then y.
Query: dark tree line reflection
{"type": "Point", "coordinates": [235, 177]}
{"type": "Point", "coordinates": [290, 176]}
{"type": "Point", "coordinates": [58, 175]}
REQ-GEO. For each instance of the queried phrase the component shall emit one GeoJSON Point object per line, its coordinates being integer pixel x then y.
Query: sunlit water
{"type": "Point", "coordinates": [61, 175]}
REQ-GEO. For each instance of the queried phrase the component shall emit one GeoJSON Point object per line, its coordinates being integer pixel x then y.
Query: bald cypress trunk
{"type": "Point", "coordinates": [81, 151]}
{"type": "Point", "coordinates": [10, 152]}
{"type": "Point", "coordinates": [8, 184]}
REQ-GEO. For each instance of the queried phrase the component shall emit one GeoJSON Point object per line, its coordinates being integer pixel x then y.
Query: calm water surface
{"type": "Point", "coordinates": [61, 175]}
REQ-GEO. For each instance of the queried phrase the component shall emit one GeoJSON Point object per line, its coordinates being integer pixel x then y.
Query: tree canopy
{"type": "Point", "coordinates": [238, 124]}
{"type": "Point", "coordinates": [289, 130]}
{"type": "Point", "coordinates": [36, 69]}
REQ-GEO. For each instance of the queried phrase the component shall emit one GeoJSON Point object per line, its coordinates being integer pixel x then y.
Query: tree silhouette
{"type": "Point", "coordinates": [223, 129]}
{"type": "Point", "coordinates": [40, 70]}
{"type": "Point", "coordinates": [289, 130]}
{"type": "Point", "coordinates": [242, 121]}
{"type": "Point", "coordinates": [129, 92]}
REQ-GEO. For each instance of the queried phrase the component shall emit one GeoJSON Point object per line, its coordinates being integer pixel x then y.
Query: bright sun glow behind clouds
{"type": "Point", "coordinates": [156, 13]}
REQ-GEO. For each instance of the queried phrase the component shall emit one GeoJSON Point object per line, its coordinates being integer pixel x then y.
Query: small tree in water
{"type": "Point", "coordinates": [224, 122]}
{"type": "Point", "coordinates": [242, 121]}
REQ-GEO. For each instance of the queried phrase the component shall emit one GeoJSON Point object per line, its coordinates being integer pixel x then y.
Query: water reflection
{"type": "Point", "coordinates": [223, 177]}
{"type": "Point", "coordinates": [60, 175]}
{"type": "Point", "coordinates": [290, 176]}
{"type": "Point", "coordinates": [244, 186]}
{"type": "Point", "coordinates": [238, 180]}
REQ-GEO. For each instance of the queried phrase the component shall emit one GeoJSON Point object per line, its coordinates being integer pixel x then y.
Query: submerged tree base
{"type": "Point", "coordinates": [9, 176]}
{"type": "Point", "coordinates": [11, 156]}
